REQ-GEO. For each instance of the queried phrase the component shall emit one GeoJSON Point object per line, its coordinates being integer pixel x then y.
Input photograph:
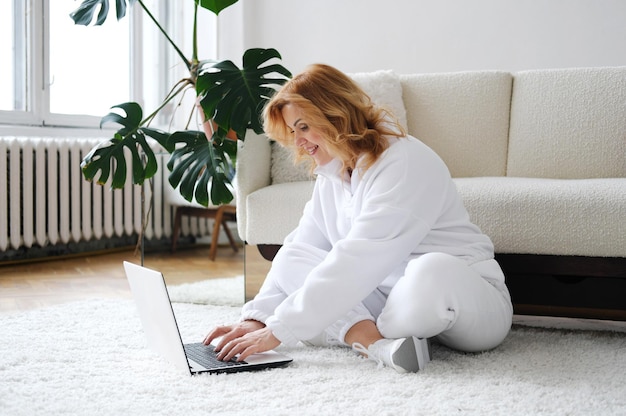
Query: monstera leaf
{"type": "Point", "coordinates": [111, 155]}
{"type": "Point", "coordinates": [216, 6]}
{"type": "Point", "coordinates": [234, 97]}
{"type": "Point", "coordinates": [88, 8]}
{"type": "Point", "coordinates": [198, 165]}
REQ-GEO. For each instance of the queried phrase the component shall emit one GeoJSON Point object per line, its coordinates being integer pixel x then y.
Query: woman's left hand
{"type": "Point", "coordinates": [254, 342]}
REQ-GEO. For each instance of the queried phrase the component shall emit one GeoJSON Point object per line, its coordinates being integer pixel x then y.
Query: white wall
{"type": "Point", "coordinates": [430, 35]}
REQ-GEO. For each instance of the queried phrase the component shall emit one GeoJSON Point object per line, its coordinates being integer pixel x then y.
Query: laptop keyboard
{"type": "Point", "coordinates": [206, 356]}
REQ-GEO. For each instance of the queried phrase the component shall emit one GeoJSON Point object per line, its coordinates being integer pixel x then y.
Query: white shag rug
{"type": "Point", "coordinates": [219, 292]}
{"type": "Point", "coordinates": [90, 358]}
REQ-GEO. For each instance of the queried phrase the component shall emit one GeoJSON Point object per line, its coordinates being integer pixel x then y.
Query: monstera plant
{"type": "Point", "coordinates": [231, 97]}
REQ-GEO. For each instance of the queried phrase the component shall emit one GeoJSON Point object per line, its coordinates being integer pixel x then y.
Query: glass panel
{"type": "Point", "coordinates": [89, 66]}
{"type": "Point", "coordinates": [12, 56]}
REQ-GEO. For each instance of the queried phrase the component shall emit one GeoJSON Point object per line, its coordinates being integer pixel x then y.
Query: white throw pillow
{"type": "Point", "coordinates": [385, 90]}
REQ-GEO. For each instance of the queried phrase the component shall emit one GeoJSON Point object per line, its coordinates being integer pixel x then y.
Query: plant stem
{"type": "Point", "coordinates": [193, 70]}
{"type": "Point", "coordinates": [180, 53]}
{"type": "Point", "coordinates": [194, 55]}
{"type": "Point", "coordinates": [182, 84]}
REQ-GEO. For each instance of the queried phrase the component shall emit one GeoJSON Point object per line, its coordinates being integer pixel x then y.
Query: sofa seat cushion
{"type": "Point", "coordinates": [582, 217]}
{"type": "Point", "coordinates": [585, 217]}
{"type": "Point", "coordinates": [274, 211]}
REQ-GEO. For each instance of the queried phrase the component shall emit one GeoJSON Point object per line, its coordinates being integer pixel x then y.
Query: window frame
{"type": "Point", "coordinates": [33, 61]}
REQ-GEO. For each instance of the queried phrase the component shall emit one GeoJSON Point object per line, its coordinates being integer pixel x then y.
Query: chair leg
{"type": "Point", "coordinates": [229, 234]}
{"type": "Point", "coordinates": [176, 230]}
{"type": "Point", "coordinates": [219, 214]}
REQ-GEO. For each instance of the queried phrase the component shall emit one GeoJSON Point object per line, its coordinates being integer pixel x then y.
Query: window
{"type": "Point", "coordinates": [12, 51]}
{"type": "Point", "coordinates": [89, 67]}
{"type": "Point", "coordinates": [58, 73]}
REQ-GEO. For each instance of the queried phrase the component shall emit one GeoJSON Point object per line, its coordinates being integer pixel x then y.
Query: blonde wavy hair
{"type": "Point", "coordinates": [334, 105]}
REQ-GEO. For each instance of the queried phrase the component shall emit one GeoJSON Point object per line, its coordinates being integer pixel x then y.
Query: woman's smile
{"type": "Point", "coordinates": [311, 150]}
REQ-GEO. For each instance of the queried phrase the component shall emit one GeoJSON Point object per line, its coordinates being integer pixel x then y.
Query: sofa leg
{"type": "Point", "coordinates": [268, 251]}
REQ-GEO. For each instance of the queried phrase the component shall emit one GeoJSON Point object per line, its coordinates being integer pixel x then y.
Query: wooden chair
{"type": "Point", "coordinates": [221, 215]}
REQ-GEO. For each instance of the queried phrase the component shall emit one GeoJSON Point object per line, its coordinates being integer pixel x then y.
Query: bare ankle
{"type": "Point", "coordinates": [364, 332]}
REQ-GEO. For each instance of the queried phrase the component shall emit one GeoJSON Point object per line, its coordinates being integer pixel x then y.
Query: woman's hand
{"type": "Point", "coordinates": [244, 338]}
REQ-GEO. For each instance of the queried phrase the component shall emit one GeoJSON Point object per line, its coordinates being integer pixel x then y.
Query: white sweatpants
{"type": "Point", "coordinates": [441, 296]}
{"type": "Point", "coordinates": [466, 307]}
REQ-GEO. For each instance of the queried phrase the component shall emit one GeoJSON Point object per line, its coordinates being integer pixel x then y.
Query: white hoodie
{"type": "Point", "coordinates": [371, 224]}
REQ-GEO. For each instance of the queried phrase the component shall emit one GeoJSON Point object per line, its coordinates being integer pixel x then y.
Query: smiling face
{"type": "Point", "coordinates": [304, 136]}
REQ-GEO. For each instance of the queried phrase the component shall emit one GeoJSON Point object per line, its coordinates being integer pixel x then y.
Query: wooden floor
{"type": "Point", "coordinates": [59, 280]}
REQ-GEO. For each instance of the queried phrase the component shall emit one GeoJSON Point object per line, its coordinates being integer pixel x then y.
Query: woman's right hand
{"type": "Point", "coordinates": [230, 332]}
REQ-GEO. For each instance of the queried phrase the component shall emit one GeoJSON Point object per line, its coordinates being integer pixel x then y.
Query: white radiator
{"type": "Point", "coordinates": [44, 199]}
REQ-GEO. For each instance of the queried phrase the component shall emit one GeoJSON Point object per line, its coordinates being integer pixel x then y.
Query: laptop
{"type": "Point", "coordinates": [159, 323]}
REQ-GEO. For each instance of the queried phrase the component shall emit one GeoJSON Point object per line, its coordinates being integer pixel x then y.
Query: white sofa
{"type": "Point", "coordinates": [539, 158]}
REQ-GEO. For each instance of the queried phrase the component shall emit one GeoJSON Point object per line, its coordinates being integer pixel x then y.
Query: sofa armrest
{"type": "Point", "coordinates": [254, 158]}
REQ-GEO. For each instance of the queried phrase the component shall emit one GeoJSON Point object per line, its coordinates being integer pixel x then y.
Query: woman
{"type": "Point", "coordinates": [385, 256]}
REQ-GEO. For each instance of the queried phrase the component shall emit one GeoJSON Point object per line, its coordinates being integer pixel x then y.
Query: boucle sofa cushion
{"type": "Point", "coordinates": [462, 116]}
{"type": "Point", "coordinates": [568, 124]}
{"type": "Point", "coordinates": [585, 217]}
{"type": "Point", "coordinates": [385, 90]}
{"type": "Point", "coordinates": [274, 211]}
{"type": "Point", "coordinates": [284, 169]}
